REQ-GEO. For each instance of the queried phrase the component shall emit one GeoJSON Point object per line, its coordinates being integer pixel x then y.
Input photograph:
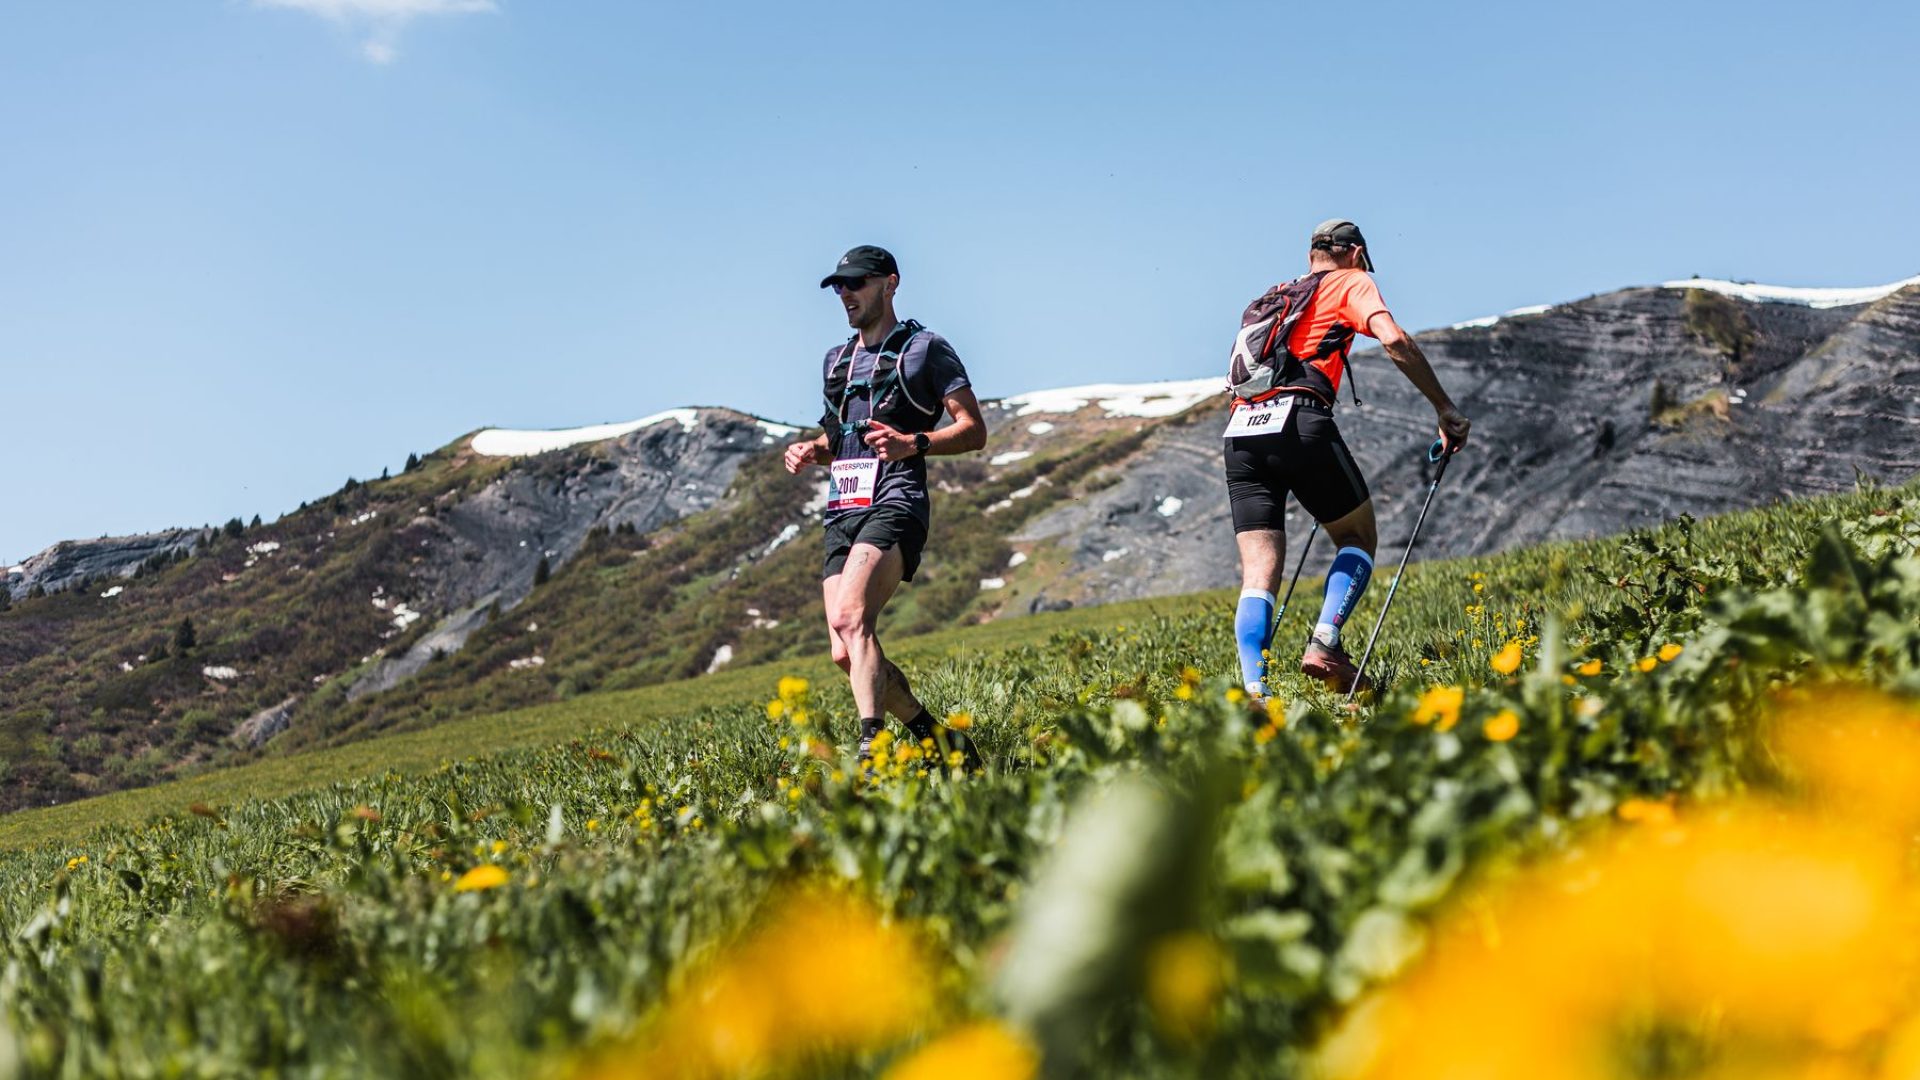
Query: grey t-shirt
{"type": "Point", "coordinates": [929, 371]}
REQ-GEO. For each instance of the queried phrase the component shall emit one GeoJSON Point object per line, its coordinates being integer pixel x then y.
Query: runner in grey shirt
{"type": "Point", "coordinates": [887, 389]}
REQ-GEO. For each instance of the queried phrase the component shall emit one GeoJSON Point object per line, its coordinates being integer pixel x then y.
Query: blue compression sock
{"type": "Point", "coordinates": [1253, 629]}
{"type": "Point", "coordinates": [1346, 581]}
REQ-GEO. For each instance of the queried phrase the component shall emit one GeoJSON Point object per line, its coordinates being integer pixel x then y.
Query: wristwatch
{"type": "Point", "coordinates": [921, 442]}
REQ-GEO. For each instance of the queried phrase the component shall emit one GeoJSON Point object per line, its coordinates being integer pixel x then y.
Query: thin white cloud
{"type": "Point", "coordinates": [379, 22]}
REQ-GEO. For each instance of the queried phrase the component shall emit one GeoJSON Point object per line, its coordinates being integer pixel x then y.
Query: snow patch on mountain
{"type": "Point", "coordinates": [1790, 294]}
{"type": "Point", "coordinates": [1145, 400]}
{"type": "Point", "coordinates": [1489, 320]}
{"type": "Point", "coordinates": [503, 442]}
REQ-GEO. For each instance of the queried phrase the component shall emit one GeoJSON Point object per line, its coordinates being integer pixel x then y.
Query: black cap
{"type": "Point", "coordinates": [1339, 232]}
{"type": "Point", "coordinates": [861, 263]}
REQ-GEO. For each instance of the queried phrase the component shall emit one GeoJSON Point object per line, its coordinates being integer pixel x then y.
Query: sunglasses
{"type": "Point", "coordinates": [842, 288]}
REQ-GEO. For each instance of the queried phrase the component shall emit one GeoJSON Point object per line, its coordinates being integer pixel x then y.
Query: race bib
{"type": "Point", "coordinates": [851, 487]}
{"type": "Point", "coordinates": [1260, 417]}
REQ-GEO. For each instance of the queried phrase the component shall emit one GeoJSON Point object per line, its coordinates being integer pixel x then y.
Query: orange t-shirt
{"type": "Point", "coordinates": [1345, 302]}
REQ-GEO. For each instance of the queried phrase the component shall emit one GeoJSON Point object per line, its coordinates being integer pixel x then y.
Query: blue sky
{"type": "Point", "coordinates": [249, 248]}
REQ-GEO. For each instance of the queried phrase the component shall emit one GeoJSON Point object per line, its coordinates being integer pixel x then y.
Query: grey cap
{"type": "Point", "coordinates": [1339, 232]}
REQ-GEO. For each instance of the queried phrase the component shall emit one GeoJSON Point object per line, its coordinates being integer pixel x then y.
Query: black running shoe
{"type": "Point", "coordinates": [945, 740]}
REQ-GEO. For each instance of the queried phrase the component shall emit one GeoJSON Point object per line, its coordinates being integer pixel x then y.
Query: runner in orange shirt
{"type": "Point", "coordinates": [1283, 440]}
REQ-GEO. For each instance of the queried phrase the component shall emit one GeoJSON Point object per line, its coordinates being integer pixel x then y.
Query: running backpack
{"type": "Point", "coordinates": [1262, 361]}
{"type": "Point", "coordinates": [885, 388]}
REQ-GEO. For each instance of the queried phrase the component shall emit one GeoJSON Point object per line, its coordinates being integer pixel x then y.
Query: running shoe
{"type": "Point", "coordinates": [945, 740]}
{"type": "Point", "coordinates": [1331, 665]}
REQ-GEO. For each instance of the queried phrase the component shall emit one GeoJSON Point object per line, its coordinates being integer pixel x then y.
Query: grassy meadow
{"type": "Point", "coordinates": [1599, 820]}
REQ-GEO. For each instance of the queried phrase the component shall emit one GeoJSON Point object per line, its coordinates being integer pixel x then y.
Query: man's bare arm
{"type": "Point", "coordinates": [816, 451]}
{"type": "Point", "coordinates": [1405, 353]}
{"type": "Point", "coordinates": [967, 433]}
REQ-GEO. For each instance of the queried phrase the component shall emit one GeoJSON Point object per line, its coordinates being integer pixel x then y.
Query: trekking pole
{"type": "Point", "coordinates": [1438, 453]}
{"type": "Point", "coordinates": [1297, 567]}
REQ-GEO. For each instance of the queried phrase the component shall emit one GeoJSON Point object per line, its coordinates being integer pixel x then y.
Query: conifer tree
{"type": "Point", "coordinates": [413, 462]}
{"type": "Point", "coordinates": [184, 637]}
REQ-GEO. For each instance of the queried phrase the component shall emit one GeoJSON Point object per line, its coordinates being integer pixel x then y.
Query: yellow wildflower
{"type": "Point", "coordinates": [960, 721]}
{"type": "Point", "coordinates": [1507, 660]}
{"type": "Point", "coordinates": [593, 824]}
{"type": "Point", "coordinates": [1276, 711]}
{"type": "Point", "coordinates": [1440, 706]}
{"type": "Point", "coordinates": [1647, 663]}
{"type": "Point", "coordinates": [1235, 695]}
{"type": "Point", "coordinates": [1185, 975]}
{"type": "Point", "coordinates": [1647, 811]}
{"type": "Point", "coordinates": [791, 687]}
{"type": "Point", "coordinates": [482, 877]}
{"type": "Point", "coordinates": [1590, 668]}
{"type": "Point", "coordinates": [1265, 734]}
{"type": "Point", "coordinates": [1502, 725]}
{"type": "Point", "coordinates": [1668, 652]}
{"type": "Point", "coordinates": [1478, 588]}
{"type": "Point", "coordinates": [781, 994]}
{"type": "Point", "coordinates": [982, 1051]}
{"type": "Point", "coordinates": [499, 847]}
{"type": "Point", "coordinates": [76, 862]}
{"type": "Point", "coordinates": [775, 709]}
{"type": "Point", "coordinates": [1183, 692]}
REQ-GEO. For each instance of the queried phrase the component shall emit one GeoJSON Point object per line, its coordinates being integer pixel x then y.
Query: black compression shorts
{"type": "Point", "coordinates": [1307, 458]}
{"type": "Point", "coordinates": [884, 526]}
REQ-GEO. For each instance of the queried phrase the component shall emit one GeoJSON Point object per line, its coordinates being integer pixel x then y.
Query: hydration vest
{"type": "Point", "coordinates": [1263, 364]}
{"type": "Point", "coordinates": [890, 401]}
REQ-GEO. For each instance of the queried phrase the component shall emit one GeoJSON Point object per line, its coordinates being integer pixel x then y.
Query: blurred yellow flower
{"type": "Point", "coordinates": [1186, 973]}
{"type": "Point", "coordinates": [1763, 936]}
{"type": "Point", "coordinates": [1276, 711]}
{"type": "Point", "coordinates": [982, 1051]}
{"type": "Point", "coordinates": [1440, 706]}
{"type": "Point", "coordinates": [1502, 725]}
{"type": "Point", "coordinates": [1647, 811]}
{"type": "Point", "coordinates": [76, 862]}
{"type": "Point", "coordinates": [959, 721]}
{"type": "Point", "coordinates": [1857, 753]}
{"type": "Point", "coordinates": [1591, 667]}
{"type": "Point", "coordinates": [499, 847]}
{"type": "Point", "coordinates": [482, 877]}
{"type": "Point", "coordinates": [1647, 663]}
{"type": "Point", "coordinates": [791, 687]}
{"type": "Point", "coordinates": [823, 975]}
{"type": "Point", "coordinates": [775, 709]}
{"type": "Point", "coordinates": [1507, 660]}
{"type": "Point", "coordinates": [1668, 652]}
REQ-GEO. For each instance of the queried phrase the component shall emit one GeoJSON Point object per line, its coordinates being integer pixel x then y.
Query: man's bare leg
{"type": "Point", "coordinates": [867, 583]}
{"type": "Point", "coordinates": [898, 697]}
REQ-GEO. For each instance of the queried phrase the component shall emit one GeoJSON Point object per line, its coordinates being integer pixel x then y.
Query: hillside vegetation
{"type": "Point", "coordinates": [1152, 878]}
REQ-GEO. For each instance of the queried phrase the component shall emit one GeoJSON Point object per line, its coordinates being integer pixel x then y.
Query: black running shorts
{"type": "Point", "coordinates": [884, 526]}
{"type": "Point", "coordinates": [1307, 458]}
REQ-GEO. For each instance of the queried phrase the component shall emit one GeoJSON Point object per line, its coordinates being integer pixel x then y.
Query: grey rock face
{"type": "Point", "coordinates": [488, 545]}
{"type": "Point", "coordinates": [265, 724]}
{"type": "Point", "coordinates": [70, 562]}
{"type": "Point", "coordinates": [484, 549]}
